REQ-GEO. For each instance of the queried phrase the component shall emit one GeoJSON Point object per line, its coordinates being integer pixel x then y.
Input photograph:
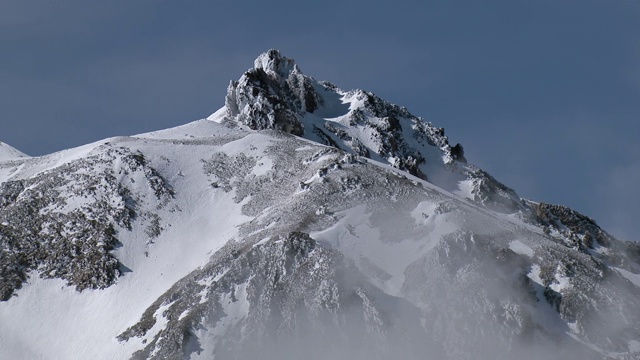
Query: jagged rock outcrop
{"type": "Point", "coordinates": [278, 299]}
{"type": "Point", "coordinates": [62, 223]}
{"type": "Point", "coordinates": [276, 95]}
{"type": "Point", "coordinates": [272, 95]}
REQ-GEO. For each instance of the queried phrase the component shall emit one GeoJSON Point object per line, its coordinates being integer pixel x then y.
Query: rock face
{"type": "Point", "coordinates": [272, 95]}
{"type": "Point", "coordinates": [240, 238]}
{"type": "Point", "coordinates": [62, 222]}
{"type": "Point", "coordinates": [275, 95]}
{"type": "Point", "coordinates": [273, 299]}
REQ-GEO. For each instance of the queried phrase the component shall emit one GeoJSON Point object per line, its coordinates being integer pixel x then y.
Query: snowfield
{"type": "Point", "coordinates": [7, 152]}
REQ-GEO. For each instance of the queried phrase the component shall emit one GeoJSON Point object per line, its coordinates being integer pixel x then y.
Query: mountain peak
{"type": "Point", "coordinates": [7, 152]}
{"type": "Point", "coordinates": [271, 95]}
{"type": "Point", "coordinates": [275, 64]}
{"type": "Point", "coordinates": [275, 95]}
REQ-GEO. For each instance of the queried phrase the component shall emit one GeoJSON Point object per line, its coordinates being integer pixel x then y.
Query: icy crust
{"type": "Point", "coordinates": [276, 95]}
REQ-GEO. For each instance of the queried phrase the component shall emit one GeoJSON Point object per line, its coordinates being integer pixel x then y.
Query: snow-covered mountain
{"type": "Point", "coordinates": [299, 221]}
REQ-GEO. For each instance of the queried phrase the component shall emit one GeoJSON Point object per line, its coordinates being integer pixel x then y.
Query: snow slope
{"type": "Point", "coordinates": [90, 320]}
{"type": "Point", "coordinates": [8, 153]}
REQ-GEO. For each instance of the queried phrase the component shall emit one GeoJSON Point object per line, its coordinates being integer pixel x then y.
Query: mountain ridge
{"type": "Point", "coordinates": [275, 94]}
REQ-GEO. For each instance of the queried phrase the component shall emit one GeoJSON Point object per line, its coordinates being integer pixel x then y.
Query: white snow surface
{"type": "Point", "coordinates": [7, 152]}
{"type": "Point", "coordinates": [519, 248]}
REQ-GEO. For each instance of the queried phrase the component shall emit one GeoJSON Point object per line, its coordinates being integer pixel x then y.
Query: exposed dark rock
{"type": "Point", "coordinates": [40, 231]}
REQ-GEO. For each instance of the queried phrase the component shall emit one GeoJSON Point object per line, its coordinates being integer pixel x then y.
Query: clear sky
{"type": "Point", "coordinates": [545, 95]}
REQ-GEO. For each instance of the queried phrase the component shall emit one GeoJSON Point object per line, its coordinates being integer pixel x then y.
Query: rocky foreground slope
{"type": "Point", "coordinates": [299, 221]}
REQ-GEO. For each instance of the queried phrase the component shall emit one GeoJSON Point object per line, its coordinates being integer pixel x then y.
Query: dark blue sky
{"type": "Point", "coordinates": [545, 95]}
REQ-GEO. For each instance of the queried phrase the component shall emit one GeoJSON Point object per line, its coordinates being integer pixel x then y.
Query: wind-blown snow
{"type": "Point", "coordinates": [634, 278]}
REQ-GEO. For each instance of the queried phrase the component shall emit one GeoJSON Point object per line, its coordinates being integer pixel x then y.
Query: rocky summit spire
{"type": "Point", "coordinates": [274, 94]}
{"type": "Point", "coordinates": [276, 65]}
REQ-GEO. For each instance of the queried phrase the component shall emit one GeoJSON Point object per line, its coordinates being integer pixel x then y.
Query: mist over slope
{"type": "Point", "coordinates": [299, 220]}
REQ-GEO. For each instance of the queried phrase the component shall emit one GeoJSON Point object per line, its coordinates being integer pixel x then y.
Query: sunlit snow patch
{"type": "Point", "coordinates": [519, 248]}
